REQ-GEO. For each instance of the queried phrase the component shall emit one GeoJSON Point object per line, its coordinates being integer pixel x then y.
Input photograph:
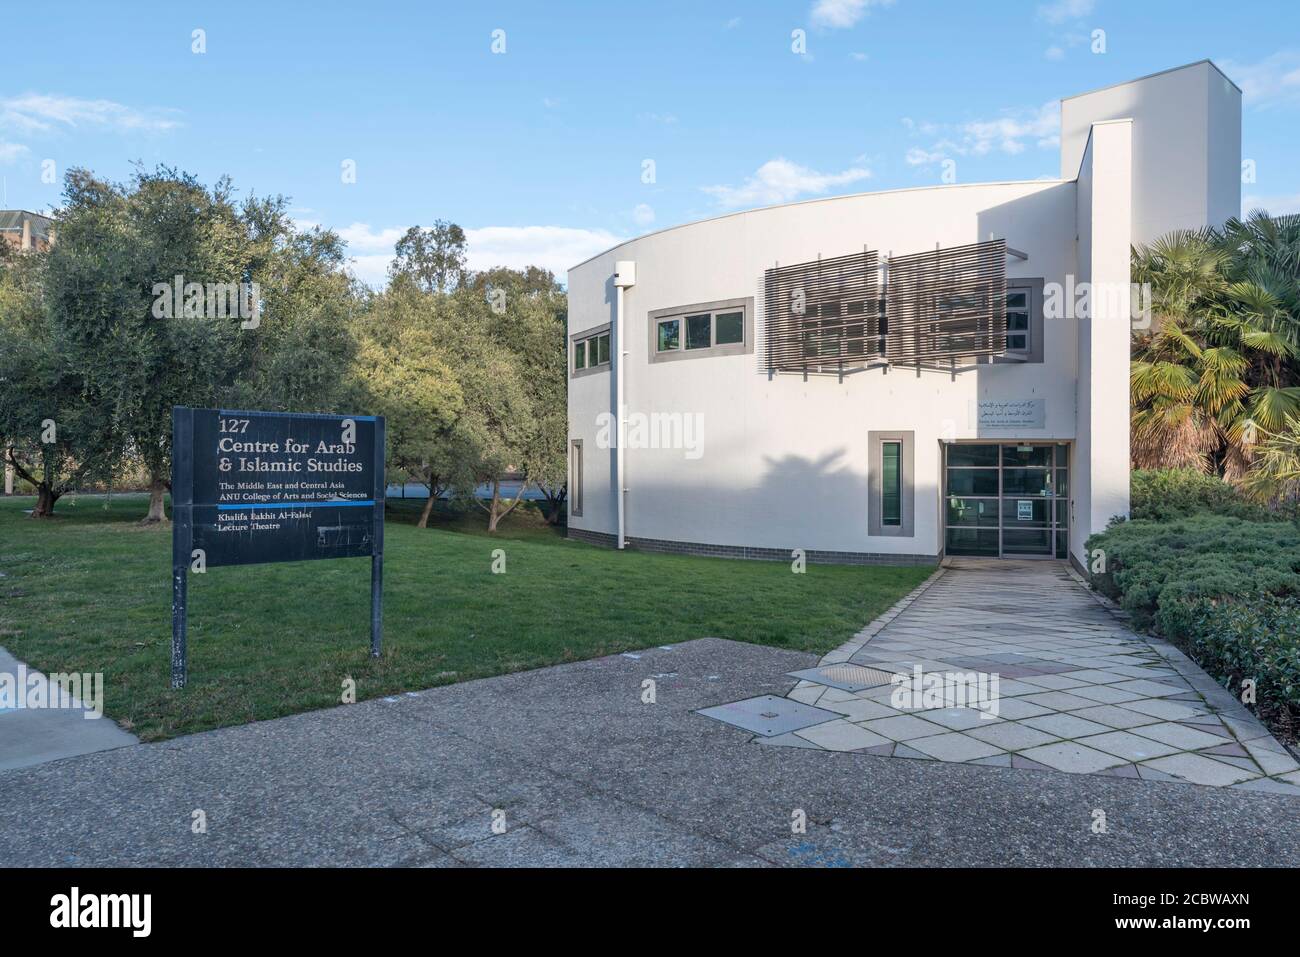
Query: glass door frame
{"type": "Point", "coordinates": [1056, 467]}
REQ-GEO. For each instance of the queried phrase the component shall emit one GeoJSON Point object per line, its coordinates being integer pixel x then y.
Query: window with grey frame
{"type": "Point", "coordinates": [891, 492]}
{"type": "Point", "coordinates": [1024, 321]}
{"type": "Point", "coordinates": [590, 353]}
{"type": "Point", "coordinates": [706, 329]}
{"type": "Point", "coordinates": [575, 477]}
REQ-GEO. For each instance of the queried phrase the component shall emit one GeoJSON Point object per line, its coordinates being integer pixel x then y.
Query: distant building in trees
{"type": "Point", "coordinates": [24, 230]}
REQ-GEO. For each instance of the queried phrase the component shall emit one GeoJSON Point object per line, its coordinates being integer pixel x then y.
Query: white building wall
{"type": "Point", "coordinates": [784, 460]}
{"type": "Point", "coordinates": [1186, 145]}
{"type": "Point", "coordinates": [1100, 470]}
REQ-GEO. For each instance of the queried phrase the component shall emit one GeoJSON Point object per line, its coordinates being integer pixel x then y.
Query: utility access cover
{"type": "Point", "coordinates": [769, 715]}
{"type": "Point", "coordinates": [846, 677]}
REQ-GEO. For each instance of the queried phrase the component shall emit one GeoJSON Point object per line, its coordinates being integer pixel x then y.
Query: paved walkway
{"type": "Point", "coordinates": [34, 735]}
{"type": "Point", "coordinates": [1077, 691]}
{"type": "Point", "coordinates": [584, 771]}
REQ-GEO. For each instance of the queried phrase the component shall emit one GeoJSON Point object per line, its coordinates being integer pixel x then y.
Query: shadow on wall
{"type": "Point", "coordinates": [817, 503]}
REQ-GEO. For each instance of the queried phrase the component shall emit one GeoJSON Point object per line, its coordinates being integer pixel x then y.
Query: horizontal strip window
{"type": "Point", "coordinates": [590, 351]}
{"type": "Point", "coordinates": [707, 329]}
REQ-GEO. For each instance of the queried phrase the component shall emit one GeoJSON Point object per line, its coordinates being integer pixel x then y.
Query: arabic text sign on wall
{"type": "Point", "coordinates": [1008, 413]}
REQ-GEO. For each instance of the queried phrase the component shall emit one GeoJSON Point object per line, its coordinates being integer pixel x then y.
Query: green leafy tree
{"type": "Point", "coordinates": [432, 259]}
{"type": "Point", "coordinates": [404, 372]}
{"type": "Point", "coordinates": [281, 340]}
{"type": "Point", "coordinates": [51, 434]}
{"type": "Point", "coordinates": [526, 319]}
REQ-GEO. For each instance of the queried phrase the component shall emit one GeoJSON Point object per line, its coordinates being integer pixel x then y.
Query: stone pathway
{"type": "Point", "coordinates": [31, 736]}
{"type": "Point", "coordinates": [1077, 691]}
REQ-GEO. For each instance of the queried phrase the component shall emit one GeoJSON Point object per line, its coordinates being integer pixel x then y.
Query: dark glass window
{"type": "Point", "coordinates": [972, 455]}
{"type": "Point", "coordinates": [698, 331]}
{"type": "Point", "coordinates": [891, 482]}
{"type": "Point", "coordinates": [580, 355]}
{"type": "Point", "coordinates": [729, 327]}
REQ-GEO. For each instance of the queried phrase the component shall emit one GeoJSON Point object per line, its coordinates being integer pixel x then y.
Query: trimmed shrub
{"type": "Point", "coordinates": [1258, 639]}
{"type": "Point", "coordinates": [1150, 565]}
{"type": "Point", "coordinates": [1162, 495]}
{"type": "Point", "coordinates": [1224, 589]}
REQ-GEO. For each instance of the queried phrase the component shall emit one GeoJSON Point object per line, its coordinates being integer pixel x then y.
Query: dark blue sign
{"type": "Point", "coordinates": [270, 487]}
{"type": "Point", "coordinates": [252, 487]}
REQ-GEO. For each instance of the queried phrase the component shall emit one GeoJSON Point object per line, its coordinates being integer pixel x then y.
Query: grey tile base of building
{"type": "Point", "coordinates": [814, 556]}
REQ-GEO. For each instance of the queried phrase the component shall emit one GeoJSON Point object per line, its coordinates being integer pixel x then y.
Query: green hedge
{"type": "Point", "coordinates": [1225, 589]}
{"type": "Point", "coordinates": [1257, 639]}
{"type": "Point", "coordinates": [1163, 495]}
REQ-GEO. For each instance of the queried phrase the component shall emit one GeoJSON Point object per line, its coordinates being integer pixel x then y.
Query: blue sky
{"type": "Point", "coordinates": [539, 151]}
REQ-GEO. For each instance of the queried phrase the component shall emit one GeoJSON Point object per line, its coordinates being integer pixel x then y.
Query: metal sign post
{"type": "Point", "coordinates": [377, 549]}
{"type": "Point", "coordinates": [254, 487]}
{"type": "Point", "coordinates": [182, 536]}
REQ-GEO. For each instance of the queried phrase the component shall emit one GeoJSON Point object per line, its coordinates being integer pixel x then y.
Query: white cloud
{"type": "Point", "coordinates": [1063, 10]}
{"type": "Point", "coordinates": [841, 14]}
{"type": "Point", "coordinates": [858, 56]}
{"type": "Point", "coordinates": [1273, 80]}
{"type": "Point", "coordinates": [643, 215]}
{"type": "Point", "coordinates": [1009, 133]}
{"type": "Point", "coordinates": [732, 23]}
{"type": "Point", "coordinates": [11, 151]}
{"type": "Point", "coordinates": [1054, 52]}
{"type": "Point", "coordinates": [1280, 205]}
{"type": "Point", "coordinates": [780, 181]}
{"type": "Point", "coordinates": [42, 113]}
{"type": "Point", "coordinates": [551, 247]}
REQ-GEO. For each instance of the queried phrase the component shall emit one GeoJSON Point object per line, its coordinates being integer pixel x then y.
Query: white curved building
{"type": "Point", "coordinates": [892, 376]}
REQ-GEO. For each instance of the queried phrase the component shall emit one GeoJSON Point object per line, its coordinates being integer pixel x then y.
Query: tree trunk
{"type": "Point", "coordinates": [493, 516]}
{"type": "Point", "coordinates": [424, 512]}
{"type": "Point", "coordinates": [556, 509]}
{"type": "Point", "coordinates": [45, 499]}
{"type": "Point", "coordinates": [156, 512]}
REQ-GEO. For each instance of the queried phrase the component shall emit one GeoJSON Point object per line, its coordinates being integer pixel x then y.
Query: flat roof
{"type": "Point", "coordinates": [1173, 69]}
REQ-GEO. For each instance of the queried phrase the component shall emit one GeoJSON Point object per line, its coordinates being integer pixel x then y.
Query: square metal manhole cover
{"type": "Point", "coordinates": [769, 715]}
{"type": "Point", "coordinates": [846, 677]}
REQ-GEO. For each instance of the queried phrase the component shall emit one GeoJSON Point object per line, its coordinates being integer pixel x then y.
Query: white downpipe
{"type": "Point", "coordinates": [624, 277]}
{"type": "Point", "coordinates": [619, 486]}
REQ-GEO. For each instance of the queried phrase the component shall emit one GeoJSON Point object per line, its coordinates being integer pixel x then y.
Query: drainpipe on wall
{"type": "Point", "coordinates": [624, 278]}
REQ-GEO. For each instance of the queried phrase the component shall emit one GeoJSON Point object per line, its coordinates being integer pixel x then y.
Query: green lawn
{"type": "Point", "coordinates": [90, 591]}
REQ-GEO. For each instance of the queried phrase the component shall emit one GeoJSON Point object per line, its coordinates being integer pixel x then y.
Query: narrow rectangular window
{"type": "Point", "coordinates": [670, 335]}
{"type": "Point", "coordinates": [575, 478]}
{"type": "Point", "coordinates": [891, 484]}
{"type": "Point", "coordinates": [1018, 320]}
{"type": "Point", "coordinates": [604, 348]}
{"type": "Point", "coordinates": [580, 355]}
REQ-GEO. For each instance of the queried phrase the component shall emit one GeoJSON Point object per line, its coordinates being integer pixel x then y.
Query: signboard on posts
{"type": "Point", "coordinates": [253, 487]}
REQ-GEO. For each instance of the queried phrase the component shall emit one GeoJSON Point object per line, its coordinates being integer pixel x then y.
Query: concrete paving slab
{"type": "Point", "coordinates": [35, 735]}
{"type": "Point", "coordinates": [587, 773]}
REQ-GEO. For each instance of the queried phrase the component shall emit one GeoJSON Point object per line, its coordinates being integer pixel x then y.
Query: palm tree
{"type": "Point", "coordinates": [1275, 476]}
{"type": "Point", "coordinates": [1217, 373]}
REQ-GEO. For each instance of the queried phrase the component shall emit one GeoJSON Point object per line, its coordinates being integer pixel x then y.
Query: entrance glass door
{"type": "Point", "coordinates": [1007, 499]}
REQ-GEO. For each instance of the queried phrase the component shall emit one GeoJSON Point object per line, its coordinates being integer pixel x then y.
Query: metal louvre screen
{"type": "Point", "coordinates": [823, 313]}
{"type": "Point", "coordinates": [948, 304]}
